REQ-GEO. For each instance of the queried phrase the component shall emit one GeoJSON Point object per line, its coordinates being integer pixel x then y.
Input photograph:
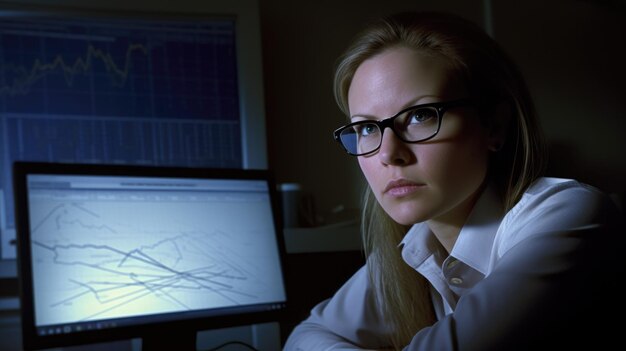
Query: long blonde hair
{"type": "Point", "coordinates": [492, 79]}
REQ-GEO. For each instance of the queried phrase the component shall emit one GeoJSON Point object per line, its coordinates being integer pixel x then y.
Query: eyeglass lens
{"type": "Point", "coordinates": [410, 126]}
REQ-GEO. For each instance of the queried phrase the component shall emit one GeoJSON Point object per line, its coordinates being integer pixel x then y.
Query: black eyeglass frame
{"type": "Point", "coordinates": [440, 107]}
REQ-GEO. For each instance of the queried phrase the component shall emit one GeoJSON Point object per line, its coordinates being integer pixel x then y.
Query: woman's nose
{"type": "Point", "coordinates": [393, 151]}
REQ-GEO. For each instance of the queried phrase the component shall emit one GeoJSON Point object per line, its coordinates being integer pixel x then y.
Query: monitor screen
{"type": "Point", "coordinates": [125, 251]}
{"type": "Point", "coordinates": [138, 83]}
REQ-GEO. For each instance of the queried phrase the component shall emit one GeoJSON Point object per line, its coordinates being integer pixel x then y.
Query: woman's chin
{"type": "Point", "coordinates": [407, 215]}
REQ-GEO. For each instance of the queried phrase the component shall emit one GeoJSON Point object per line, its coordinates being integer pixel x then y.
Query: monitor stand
{"type": "Point", "coordinates": [175, 339]}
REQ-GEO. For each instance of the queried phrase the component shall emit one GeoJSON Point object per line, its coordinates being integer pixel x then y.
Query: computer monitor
{"type": "Point", "coordinates": [109, 252]}
{"type": "Point", "coordinates": [142, 82]}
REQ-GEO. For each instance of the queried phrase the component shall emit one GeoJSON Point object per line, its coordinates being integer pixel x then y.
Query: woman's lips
{"type": "Point", "coordinates": [401, 187]}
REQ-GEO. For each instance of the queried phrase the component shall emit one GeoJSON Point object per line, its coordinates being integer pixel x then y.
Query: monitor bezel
{"type": "Point", "coordinates": [32, 340]}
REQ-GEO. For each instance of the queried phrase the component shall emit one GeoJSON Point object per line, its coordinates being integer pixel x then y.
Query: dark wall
{"type": "Point", "coordinates": [573, 55]}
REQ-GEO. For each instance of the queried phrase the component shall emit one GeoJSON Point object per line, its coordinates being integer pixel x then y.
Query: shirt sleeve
{"type": "Point", "coordinates": [553, 284]}
{"type": "Point", "coordinates": [347, 321]}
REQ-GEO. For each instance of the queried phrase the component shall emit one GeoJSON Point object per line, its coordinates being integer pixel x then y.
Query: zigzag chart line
{"type": "Point", "coordinates": [81, 65]}
{"type": "Point", "coordinates": [171, 270]}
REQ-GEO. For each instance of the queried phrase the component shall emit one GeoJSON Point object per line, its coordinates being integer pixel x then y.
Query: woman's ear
{"type": "Point", "coordinates": [502, 115]}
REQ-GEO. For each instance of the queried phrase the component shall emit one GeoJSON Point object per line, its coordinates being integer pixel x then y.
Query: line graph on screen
{"type": "Point", "coordinates": [25, 78]}
{"type": "Point", "coordinates": [93, 261]}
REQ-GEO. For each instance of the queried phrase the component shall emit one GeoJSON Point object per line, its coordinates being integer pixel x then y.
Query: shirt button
{"type": "Point", "coordinates": [456, 281]}
{"type": "Point", "coordinates": [452, 263]}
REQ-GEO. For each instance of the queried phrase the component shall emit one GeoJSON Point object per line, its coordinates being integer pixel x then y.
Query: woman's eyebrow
{"type": "Point", "coordinates": [414, 102]}
{"type": "Point", "coordinates": [363, 117]}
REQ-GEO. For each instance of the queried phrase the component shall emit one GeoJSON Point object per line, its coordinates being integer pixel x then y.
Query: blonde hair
{"type": "Point", "coordinates": [492, 79]}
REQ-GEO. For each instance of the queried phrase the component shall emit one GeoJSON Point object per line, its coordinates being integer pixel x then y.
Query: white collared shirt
{"type": "Point", "coordinates": [526, 268]}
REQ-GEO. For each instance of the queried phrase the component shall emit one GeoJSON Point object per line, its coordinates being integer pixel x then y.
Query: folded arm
{"type": "Point", "coordinates": [555, 285]}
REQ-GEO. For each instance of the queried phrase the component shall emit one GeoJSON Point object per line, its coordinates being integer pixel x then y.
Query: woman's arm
{"type": "Point", "coordinates": [545, 291]}
{"type": "Point", "coordinates": [554, 286]}
{"type": "Point", "coordinates": [347, 321]}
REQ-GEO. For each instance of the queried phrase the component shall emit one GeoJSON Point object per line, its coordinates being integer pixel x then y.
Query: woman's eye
{"type": "Point", "coordinates": [366, 129]}
{"type": "Point", "coordinates": [420, 116]}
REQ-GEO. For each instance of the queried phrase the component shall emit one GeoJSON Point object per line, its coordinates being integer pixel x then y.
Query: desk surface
{"type": "Point", "coordinates": [262, 336]}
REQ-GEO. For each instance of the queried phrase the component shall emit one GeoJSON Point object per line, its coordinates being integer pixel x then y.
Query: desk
{"type": "Point", "coordinates": [262, 336]}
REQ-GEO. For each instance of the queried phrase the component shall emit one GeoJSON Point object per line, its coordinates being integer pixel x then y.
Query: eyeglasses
{"type": "Point", "coordinates": [412, 125]}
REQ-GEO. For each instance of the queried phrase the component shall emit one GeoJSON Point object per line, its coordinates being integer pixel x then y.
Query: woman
{"type": "Point", "coordinates": [468, 247]}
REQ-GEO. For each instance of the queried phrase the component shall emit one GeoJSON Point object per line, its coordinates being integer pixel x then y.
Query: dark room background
{"type": "Point", "coordinates": [572, 53]}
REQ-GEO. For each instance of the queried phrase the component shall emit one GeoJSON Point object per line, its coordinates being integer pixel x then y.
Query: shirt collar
{"type": "Point", "coordinates": [475, 241]}
{"type": "Point", "coordinates": [418, 244]}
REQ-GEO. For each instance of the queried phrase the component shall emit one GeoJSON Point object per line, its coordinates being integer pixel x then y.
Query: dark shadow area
{"type": "Point", "coordinates": [312, 278]}
{"type": "Point", "coordinates": [566, 162]}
